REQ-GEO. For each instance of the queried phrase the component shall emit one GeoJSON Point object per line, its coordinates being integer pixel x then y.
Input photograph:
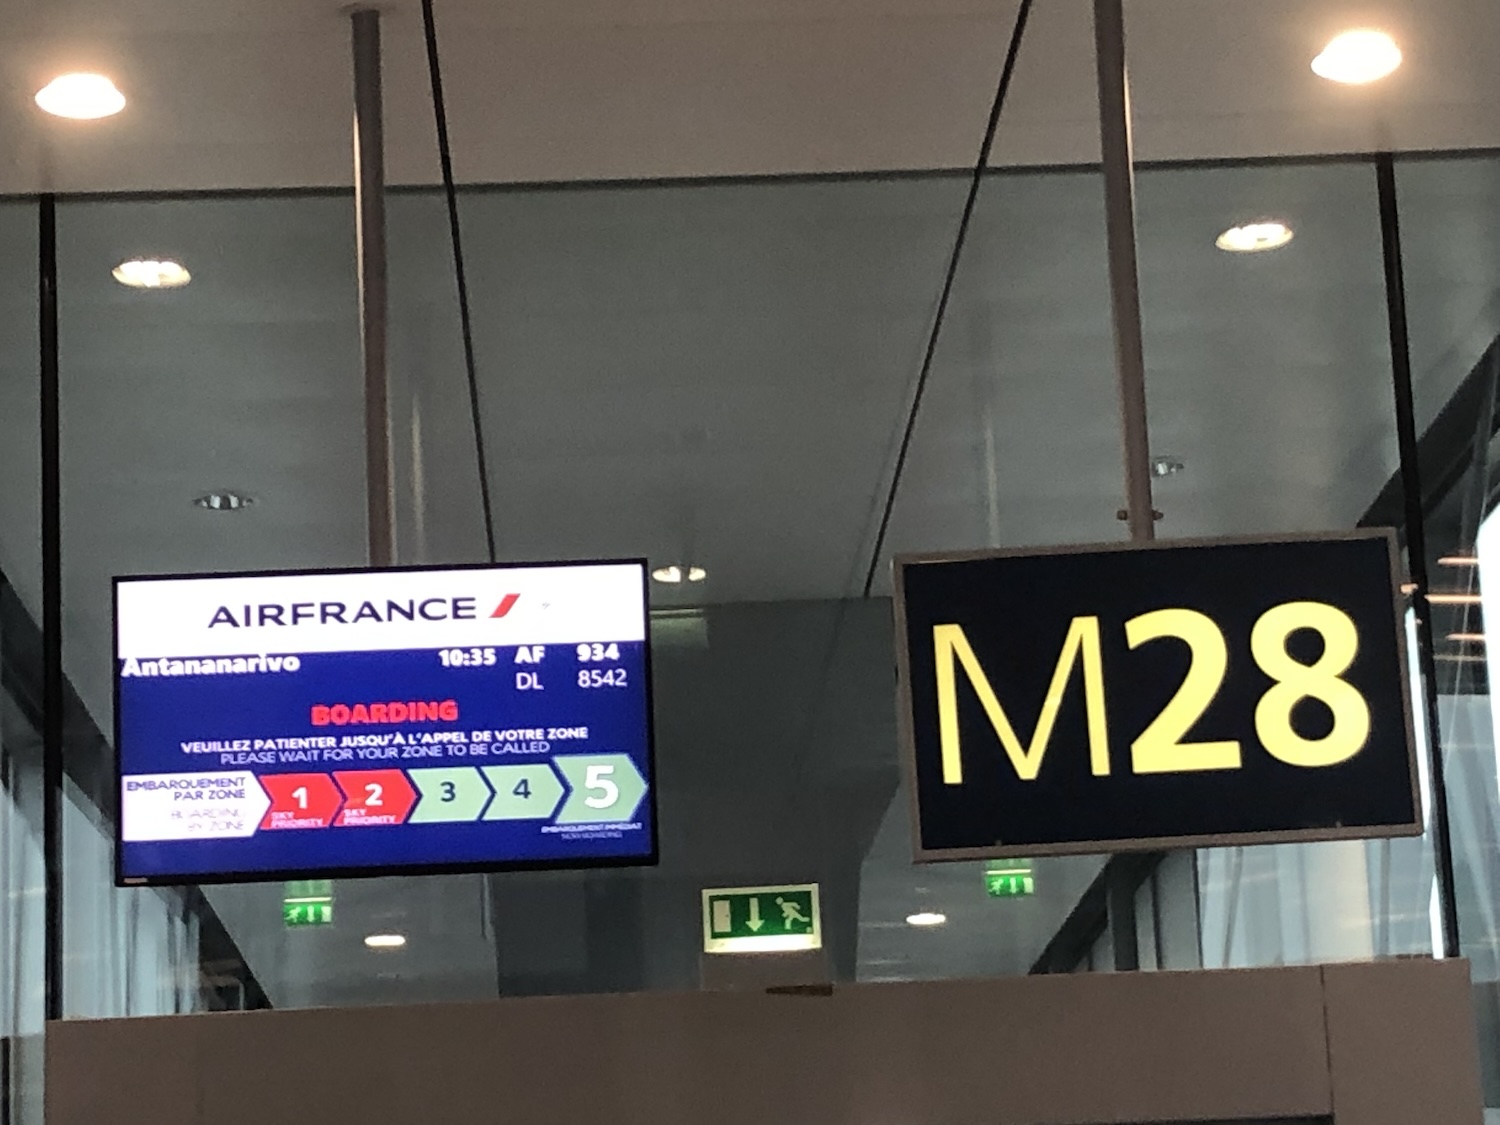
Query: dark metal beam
{"type": "Point", "coordinates": [1130, 351]}
{"type": "Point", "coordinates": [1416, 535]}
{"type": "Point", "coordinates": [53, 699]}
{"type": "Point", "coordinates": [1447, 448]}
{"type": "Point", "coordinates": [369, 213]}
{"type": "Point", "coordinates": [1090, 918]}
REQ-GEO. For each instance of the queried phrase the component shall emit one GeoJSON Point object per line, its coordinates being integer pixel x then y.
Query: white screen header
{"type": "Point", "coordinates": [379, 610]}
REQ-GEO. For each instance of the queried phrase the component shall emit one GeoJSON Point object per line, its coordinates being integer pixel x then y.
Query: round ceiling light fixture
{"type": "Point", "coordinates": [1357, 57]}
{"type": "Point", "coordinates": [926, 918]}
{"type": "Point", "coordinates": [1166, 466]}
{"type": "Point", "coordinates": [676, 574]}
{"type": "Point", "coordinates": [152, 273]}
{"type": "Point", "coordinates": [223, 500]}
{"type": "Point", "coordinates": [82, 97]}
{"type": "Point", "coordinates": [1253, 238]}
{"type": "Point", "coordinates": [385, 941]}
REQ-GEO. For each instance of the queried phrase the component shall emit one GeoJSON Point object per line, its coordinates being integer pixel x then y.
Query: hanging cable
{"type": "Point", "coordinates": [445, 156]}
{"type": "Point", "coordinates": [985, 148]}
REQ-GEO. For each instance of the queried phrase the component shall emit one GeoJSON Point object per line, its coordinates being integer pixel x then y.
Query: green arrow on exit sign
{"type": "Point", "coordinates": [762, 919]}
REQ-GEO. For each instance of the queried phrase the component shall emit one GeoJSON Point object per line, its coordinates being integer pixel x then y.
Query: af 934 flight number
{"type": "Point", "coordinates": [1163, 746]}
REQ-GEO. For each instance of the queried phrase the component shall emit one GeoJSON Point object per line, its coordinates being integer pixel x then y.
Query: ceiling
{"type": "Point", "coordinates": [717, 372]}
{"type": "Point", "coordinates": [256, 93]}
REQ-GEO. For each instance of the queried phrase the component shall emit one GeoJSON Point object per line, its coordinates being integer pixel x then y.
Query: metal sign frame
{"type": "Point", "coordinates": [907, 735]}
{"type": "Point", "coordinates": [385, 870]}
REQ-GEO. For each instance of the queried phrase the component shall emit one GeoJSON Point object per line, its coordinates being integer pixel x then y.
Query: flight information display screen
{"type": "Point", "coordinates": [341, 723]}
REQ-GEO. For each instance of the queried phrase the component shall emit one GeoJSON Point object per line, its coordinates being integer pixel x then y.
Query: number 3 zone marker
{"type": "Point", "coordinates": [449, 793]}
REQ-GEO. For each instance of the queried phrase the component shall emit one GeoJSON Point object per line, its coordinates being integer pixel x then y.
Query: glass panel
{"type": "Point", "coordinates": [706, 375]}
{"type": "Point", "coordinates": [1268, 373]}
{"type": "Point", "coordinates": [1450, 216]}
{"type": "Point", "coordinates": [22, 875]}
{"type": "Point", "coordinates": [245, 381]}
{"type": "Point", "coordinates": [712, 376]}
{"type": "Point", "coordinates": [1271, 410]}
{"type": "Point", "coordinates": [1016, 444]}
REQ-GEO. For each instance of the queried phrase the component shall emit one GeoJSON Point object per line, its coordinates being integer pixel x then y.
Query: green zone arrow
{"type": "Point", "coordinates": [448, 793]}
{"type": "Point", "coordinates": [528, 792]}
{"type": "Point", "coordinates": [602, 788]}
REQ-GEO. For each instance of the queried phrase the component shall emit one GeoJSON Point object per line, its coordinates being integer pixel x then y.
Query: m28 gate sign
{"type": "Point", "coordinates": [1139, 696]}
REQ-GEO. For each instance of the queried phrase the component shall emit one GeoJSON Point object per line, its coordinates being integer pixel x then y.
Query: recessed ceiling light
{"type": "Point", "coordinates": [1354, 57]}
{"type": "Point", "coordinates": [676, 573]}
{"type": "Point", "coordinates": [1458, 560]}
{"type": "Point", "coordinates": [385, 941]}
{"type": "Point", "coordinates": [149, 273]}
{"type": "Point", "coordinates": [926, 918]}
{"type": "Point", "coordinates": [1455, 599]}
{"type": "Point", "coordinates": [83, 97]}
{"type": "Point", "coordinates": [1252, 238]}
{"type": "Point", "coordinates": [1467, 638]}
{"type": "Point", "coordinates": [223, 501]}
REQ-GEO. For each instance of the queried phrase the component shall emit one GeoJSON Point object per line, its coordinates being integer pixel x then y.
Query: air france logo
{"type": "Point", "coordinates": [344, 613]}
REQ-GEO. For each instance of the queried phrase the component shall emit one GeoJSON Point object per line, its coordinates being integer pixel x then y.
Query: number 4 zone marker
{"type": "Point", "coordinates": [529, 792]}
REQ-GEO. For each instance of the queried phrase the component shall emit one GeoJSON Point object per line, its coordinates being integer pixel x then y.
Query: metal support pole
{"type": "Point", "coordinates": [53, 744]}
{"type": "Point", "coordinates": [1120, 892]}
{"type": "Point", "coordinates": [369, 212]}
{"type": "Point", "coordinates": [1124, 281]}
{"type": "Point", "coordinates": [1416, 542]}
{"type": "Point", "coordinates": [1130, 361]}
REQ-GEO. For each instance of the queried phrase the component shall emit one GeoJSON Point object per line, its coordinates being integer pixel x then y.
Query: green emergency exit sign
{"type": "Point", "coordinates": [307, 914]}
{"type": "Point", "coordinates": [307, 902]}
{"type": "Point", "coordinates": [1011, 881]}
{"type": "Point", "coordinates": [762, 919]}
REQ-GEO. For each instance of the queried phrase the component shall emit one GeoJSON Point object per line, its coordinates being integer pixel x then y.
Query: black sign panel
{"type": "Point", "coordinates": [1118, 697]}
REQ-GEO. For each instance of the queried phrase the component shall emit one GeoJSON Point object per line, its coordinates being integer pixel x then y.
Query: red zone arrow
{"type": "Point", "coordinates": [376, 798]}
{"type": "Point", "coordinates": [300, 800]}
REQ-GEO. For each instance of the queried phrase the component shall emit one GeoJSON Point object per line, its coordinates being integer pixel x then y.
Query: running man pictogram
{"type": "Point", "coordinates": [791, 912]}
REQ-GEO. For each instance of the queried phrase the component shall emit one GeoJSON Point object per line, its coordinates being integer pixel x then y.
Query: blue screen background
{"type": "Point", "coordinates": [159, 713]}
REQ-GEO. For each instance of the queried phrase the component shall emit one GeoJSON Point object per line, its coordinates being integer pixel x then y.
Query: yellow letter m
{"type": "Point", "coordinates": [1082, 643]}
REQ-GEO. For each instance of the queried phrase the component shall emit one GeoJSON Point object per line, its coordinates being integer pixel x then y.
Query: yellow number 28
{"type": "Point", "coordinates": [1320, 680]}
